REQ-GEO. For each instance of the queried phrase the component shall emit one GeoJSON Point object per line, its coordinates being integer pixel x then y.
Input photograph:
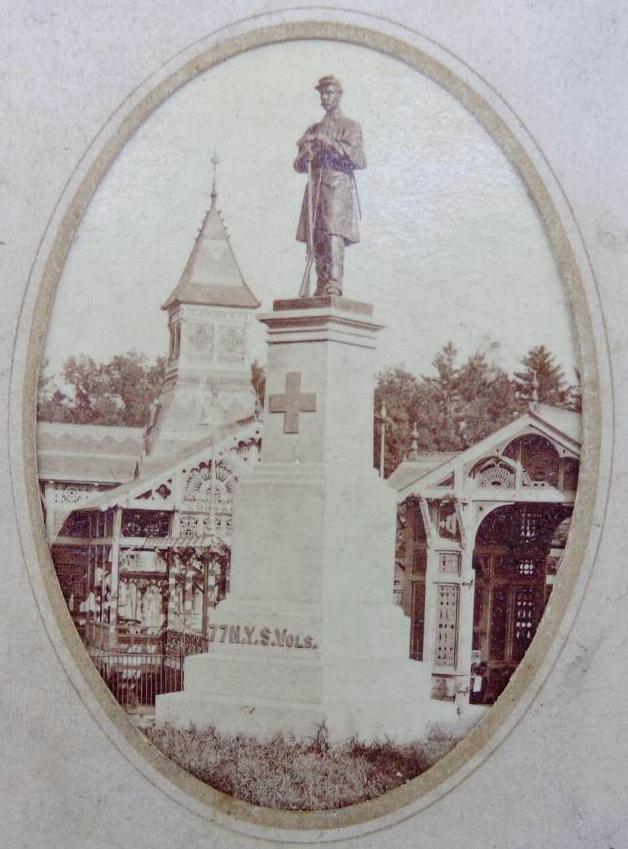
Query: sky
{"type": "Point", "coordinates": [451, 246]}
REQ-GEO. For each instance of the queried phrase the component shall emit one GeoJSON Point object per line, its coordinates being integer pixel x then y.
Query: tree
{"type": "Point", "coordinates": [468, 401]}
{"type": "Point", "coordinates": [398, 390]}
{"type": "Point", "coordinates": [258, 379]}
{"type": "Point", "coordinates": [136, 383]}
{"type": "Point", "coordinates": [573, 394]}
{"type": "Point", "coordinates": [458, 405]}
{"type": "Point", "coordinates": [409, 402]}
{"type": "Point", "coordinates": [118, 392]}
{"type": "Point", "coordinates": [541, 368]}
{"type": "Point", "coordinates": [444, 390]}
{"type": "Point", "coordinates": [51, 401]}
{"type": "Point", "coordinates": [487, 400]}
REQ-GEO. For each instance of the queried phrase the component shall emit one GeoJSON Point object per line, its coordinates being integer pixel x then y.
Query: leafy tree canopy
{"type": "Point", "coordinates": [118, 392]}
{"type": "Point", "coordinates": [541, 376]}
{"type": "Point", "coordinates": [258, 379]}
{"type": "Point", "coordinates": [459, 404]}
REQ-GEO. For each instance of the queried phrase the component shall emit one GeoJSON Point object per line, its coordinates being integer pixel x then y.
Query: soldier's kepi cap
{"type": "Point", "coordinates": [329, 80]}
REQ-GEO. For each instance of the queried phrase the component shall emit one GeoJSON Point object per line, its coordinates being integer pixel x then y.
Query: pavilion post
{"type": "Point", "coordinates": [465, 624]}
{"type": "Point", "coordinates": [172, 588]}
{"type": "Point", "coordinates": [90, 586]}
{"type": "Point", "coordinates": [115, 571]}
{"type": "Point", "coordinates": [382, 447]}
{"type": "Point", "coordinates": [205, 598]}
{"type": "Point", "coordinates": [431, 590]}
{"type": "Point", "coordinates": [187, 597]}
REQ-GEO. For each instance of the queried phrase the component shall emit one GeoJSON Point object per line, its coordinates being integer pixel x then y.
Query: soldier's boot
{"type": "Point", "coordinates": [321, 255]}
{"type": "Point", "coordinates": [335, 264]}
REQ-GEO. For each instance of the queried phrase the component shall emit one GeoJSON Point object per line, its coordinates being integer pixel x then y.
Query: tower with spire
{"type": "Point", "coordinates": [207, 384]}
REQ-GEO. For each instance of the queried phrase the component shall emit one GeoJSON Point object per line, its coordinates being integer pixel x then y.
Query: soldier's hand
{"type": "Point", "coordinates": [318, 140]}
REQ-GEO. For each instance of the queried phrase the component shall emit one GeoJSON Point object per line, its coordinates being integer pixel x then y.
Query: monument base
{"type": "Point", "coordinates": [377, 717]}
{"type": "Point", "coordinates": [309, 633]}
{"type": "Point", "coordinates": [241, 690]}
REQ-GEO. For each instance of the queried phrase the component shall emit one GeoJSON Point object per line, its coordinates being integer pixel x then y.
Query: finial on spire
{"type": "Point", "coordinates": [535, 389]}
{"type": "Point", "coordinates": [215, 161]}
{"type": "Point", "coordinates": [414, 445]}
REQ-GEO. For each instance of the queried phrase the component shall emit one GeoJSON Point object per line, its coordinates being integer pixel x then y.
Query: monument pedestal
{"type": "Point", "coordinates": [309, 632]}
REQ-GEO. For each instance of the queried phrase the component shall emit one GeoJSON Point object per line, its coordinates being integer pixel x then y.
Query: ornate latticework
{"type": "Point", "coordinates": [527, 567]}
{"type": "Point", "coordinates": [494, 474]}
{"type": "Point", "coordinates": [188, 524]}
{"type": "Point", "coordinates": [538, 457]}
{"type": "Point", "coordinates": [447, 625]}
{"type": "Point", "coordinates": [525, 619]}
{"type": "Point", "coordinates": [523, 526]}
{"type": "Point", "coordinates": [70, 495]}
{"type": "Point", "coordinates": [145, 523]}
{"type": "Point", "coordinates": [209, 489]}
{"type": "Point", "coordinates": [512, 559]}
{"type": "Point", "coordinates": [249, 448]}
{"type": "Point", "coordinates": [158, 493]}
{"type": "Point", "coordinates": [209, 481]}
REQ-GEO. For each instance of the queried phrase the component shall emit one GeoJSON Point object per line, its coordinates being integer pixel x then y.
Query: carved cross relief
{"type": "Point", "coordinates": [292, 403]}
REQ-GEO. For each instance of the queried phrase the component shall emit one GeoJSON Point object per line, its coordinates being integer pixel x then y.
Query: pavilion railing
{"type": "Point", "coordinates": [136, 678]}
{"type": "Point", "coordinates": [185, 642]}
{"type": "Point", "coordinates": [122, 638]}
{"type": "Point", "coordinates": [137, 673]}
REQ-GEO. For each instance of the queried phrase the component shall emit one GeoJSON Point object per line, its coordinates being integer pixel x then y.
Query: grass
{"type": "Point", "coordinates": [304, 776]}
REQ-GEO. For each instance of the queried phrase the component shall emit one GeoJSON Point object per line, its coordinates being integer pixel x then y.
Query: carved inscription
{"type": "Point", "coordinates": [251, 635]}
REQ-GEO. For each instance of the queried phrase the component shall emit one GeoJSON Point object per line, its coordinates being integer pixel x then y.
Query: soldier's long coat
{"type": "Point", "coordinates": [335, 205]}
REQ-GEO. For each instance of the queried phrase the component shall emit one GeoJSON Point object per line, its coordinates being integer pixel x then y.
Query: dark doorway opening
{"type": "Point", "coordinates": [511, 557]}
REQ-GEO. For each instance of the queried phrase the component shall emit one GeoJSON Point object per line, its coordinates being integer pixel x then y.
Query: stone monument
{"type": "Point", "coordinates": [309, 632]}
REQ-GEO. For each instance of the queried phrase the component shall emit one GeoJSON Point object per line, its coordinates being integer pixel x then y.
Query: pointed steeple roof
{"type": "Point", "coordinates": [211, 276]}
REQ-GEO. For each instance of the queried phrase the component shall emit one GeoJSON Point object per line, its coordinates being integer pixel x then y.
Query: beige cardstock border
{"type": "Point", "coordinates": [503, 126]}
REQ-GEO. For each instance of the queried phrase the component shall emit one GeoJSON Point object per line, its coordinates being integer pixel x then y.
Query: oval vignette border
{"type": "Point", "coordinates": [397, 804]}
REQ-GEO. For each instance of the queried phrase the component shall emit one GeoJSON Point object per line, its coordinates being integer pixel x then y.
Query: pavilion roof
{"type": "Point", "coordinates": [87, 453]}
{"type": "Point", "coordinates": [421, 464]}
{"type": "Point", "coordinates": [211, 276]}
{"type": "Point", "coordinates": [150, 477]}
{"type": "Point", "coordinates": [560, 425]}
{"type": "Point", "coordinates": [567, 422]}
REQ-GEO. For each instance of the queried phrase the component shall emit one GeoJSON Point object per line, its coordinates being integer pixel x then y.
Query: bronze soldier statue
{"type": "Point", "coordinates": [329, 152]}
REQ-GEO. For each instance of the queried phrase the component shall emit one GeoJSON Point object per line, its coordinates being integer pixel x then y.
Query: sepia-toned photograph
{"type": "Point", "coordinates": [309, 425]}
